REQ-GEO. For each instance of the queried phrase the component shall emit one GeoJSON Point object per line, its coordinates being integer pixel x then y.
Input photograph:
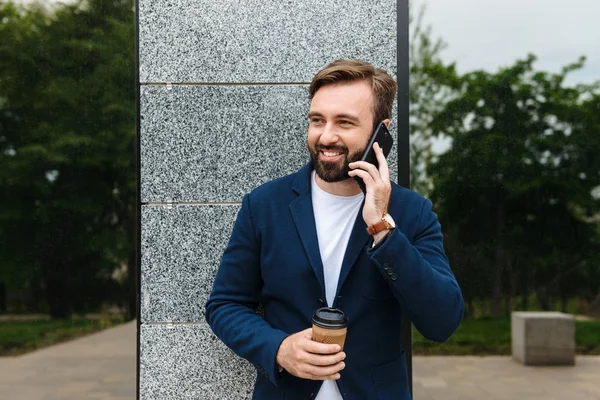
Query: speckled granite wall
{"type": "Point", "coordinates": [223, 103]}
{"type": "Point", "coordinates": [261, 41]}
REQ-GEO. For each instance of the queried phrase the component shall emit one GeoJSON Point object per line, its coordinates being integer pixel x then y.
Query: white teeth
{"type": "Point", "coordinates": [330, 154]}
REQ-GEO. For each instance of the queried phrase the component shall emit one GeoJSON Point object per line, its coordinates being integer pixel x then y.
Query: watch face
{"type": "Point", "coordinates": [388, 218]}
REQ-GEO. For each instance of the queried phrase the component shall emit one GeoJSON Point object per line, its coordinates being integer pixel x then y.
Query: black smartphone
{"type": "Point", "coordinates": [381, 136]}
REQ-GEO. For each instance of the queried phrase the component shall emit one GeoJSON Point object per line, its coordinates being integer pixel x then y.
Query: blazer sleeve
{"type": "Point", "coordinates": [420, 276]}
{"type": "Point", "coordinates": [231, 308]}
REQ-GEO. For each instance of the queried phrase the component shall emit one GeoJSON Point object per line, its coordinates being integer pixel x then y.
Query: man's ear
{"type": "Point", "coordinates": [386, 122]}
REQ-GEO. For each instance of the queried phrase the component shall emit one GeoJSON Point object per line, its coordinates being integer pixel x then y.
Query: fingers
{"type": "Point", "coordinates": [366, 167]}
{"type": "Point", "coordinates": [364, 175]}
{"type": "Point", "coordinates": [303, 358]}
{"type": "Point", "coordinates": [317, 367]}
{"type": "Point", "coordinates": [371, 176]}
{"type": "Point", "coordinates": [378, 187]}
{"type": "Point", "coordinates": [381, 174]}
{"type": "Point", "coordinates": [307, 333]}
{"type": "Point", "coordinates": [377, 182]}
{"type": "Point", "coordinates": [321, 348]}
{"type": "Point", "coordinates": [330, 372]}
{"type": "Point", "coordinates": [324, 360]}
{"type": "Point", "coordinates": [384, 169]}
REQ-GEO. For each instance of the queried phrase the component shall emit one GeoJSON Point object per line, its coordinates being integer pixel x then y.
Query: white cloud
{"type": "Point", "coordinates": [487, 34]}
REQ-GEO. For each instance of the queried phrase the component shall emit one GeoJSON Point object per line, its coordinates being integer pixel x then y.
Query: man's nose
{"type": "Point", "coordinates": [329, 135]}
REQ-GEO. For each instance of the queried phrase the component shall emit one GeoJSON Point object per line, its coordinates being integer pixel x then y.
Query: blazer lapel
{"type": "Point", "coordinates": [304, 219]}
{"type": "Point", "coordinates": [356, 245]}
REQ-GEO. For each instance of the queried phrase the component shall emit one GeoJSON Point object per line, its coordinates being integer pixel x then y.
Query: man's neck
{"type": "Point", "coordinates": [347, 187]}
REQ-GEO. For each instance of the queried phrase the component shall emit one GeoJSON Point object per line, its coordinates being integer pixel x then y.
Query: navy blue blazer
{"type": "Point", "coordinates": [273, 258]}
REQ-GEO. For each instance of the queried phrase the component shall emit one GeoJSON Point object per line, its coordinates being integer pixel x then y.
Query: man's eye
{"type": "Point", "coordinates": [345, 123]}
{"type": "Point", "coordinates": [316, 120]}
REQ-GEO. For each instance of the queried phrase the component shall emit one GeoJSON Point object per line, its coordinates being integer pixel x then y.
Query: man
{"type": "Point", "coordinates": [301, 242]}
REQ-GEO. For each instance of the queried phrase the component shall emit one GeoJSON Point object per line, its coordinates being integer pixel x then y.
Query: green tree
{"type": "Point", "coordinates": [514, 192]}
{"type": "Point", "coordinates": [431, 87]}
{"type": "Point", "coordinates": [67, 178]}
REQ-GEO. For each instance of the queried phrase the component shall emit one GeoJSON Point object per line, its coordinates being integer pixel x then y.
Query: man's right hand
{"type": "Point", "coordinates": [302, 357]}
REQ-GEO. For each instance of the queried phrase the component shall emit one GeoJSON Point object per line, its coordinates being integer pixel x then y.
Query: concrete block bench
{"type": "Point", "coordinates": [543, 338]}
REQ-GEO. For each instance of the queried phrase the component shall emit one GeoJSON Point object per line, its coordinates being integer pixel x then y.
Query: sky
{"type": "Point", "coordinates": [488, 34]}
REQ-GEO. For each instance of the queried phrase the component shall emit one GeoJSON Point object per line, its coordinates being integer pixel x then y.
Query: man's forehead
{"type": "Point", "coordinates": [347, 95]}
{"type": "Point", "coordinates": [360, 88]}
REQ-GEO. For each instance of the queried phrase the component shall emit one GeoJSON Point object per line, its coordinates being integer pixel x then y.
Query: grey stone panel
{"type": "Point", "coordinates": [181, 249]}
{"type": "Point", "coordinates": [216, 143]}
{"type": "Point", "coordinates": [186, 361]}
{"type": "Point", "coordinates": [261, 41]}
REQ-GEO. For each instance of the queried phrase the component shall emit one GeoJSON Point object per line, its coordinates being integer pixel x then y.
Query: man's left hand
{"type": "Point", "coordinates": [378, 186]}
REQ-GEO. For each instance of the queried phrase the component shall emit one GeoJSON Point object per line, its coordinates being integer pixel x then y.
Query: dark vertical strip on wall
{"type": "Point", "coordinates": [404, 143]}
{"type": "Point", "coordinates": [138, 218]}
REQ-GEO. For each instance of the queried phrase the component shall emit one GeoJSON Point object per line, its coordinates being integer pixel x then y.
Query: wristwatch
{"type": "Point", "coordinates": [387, 222]}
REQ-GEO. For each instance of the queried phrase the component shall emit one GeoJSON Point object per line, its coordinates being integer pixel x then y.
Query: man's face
{"type": "Point", "coordinates": [340, 124]}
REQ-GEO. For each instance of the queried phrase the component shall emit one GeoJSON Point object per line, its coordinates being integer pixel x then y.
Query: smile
{"type": "Point", "coordinates": [331, 156]}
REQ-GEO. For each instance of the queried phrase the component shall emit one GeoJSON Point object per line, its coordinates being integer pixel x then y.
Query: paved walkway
{"type": "Point", "coordinates": [99, 366]}
{"type": "Point", "coordinates": [500, 378]}
{"type": "Point", "coordinates": [103, 366]}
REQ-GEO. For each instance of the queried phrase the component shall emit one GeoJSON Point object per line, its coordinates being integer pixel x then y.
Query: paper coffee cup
{"type": "Point", "coordinates": [330, 326]}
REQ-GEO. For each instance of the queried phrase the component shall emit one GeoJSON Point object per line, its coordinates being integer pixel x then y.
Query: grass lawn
{"type": "Point", "coordinates": [18, 337]}
{"type": "Point", "coordinates": [492, 337]}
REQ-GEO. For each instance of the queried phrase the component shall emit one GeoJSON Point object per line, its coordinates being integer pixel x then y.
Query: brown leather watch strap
{"type": "Point", "coordinates": [378, 227]}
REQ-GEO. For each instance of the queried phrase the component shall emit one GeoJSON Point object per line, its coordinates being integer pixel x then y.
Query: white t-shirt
{"type": "Point", "coordinates": [334, 219]}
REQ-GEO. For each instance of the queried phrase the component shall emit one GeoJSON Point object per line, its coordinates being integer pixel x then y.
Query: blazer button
{"type": "Point", "coordinates": [386, 266]}
{"type": "Point", "coordinates": [393, 277]}
{"type": "Point", "coordinates": [390, 272]}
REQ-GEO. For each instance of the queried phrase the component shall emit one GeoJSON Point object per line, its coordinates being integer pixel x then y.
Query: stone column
{"type": "Point", "coordinates": [223, 89]}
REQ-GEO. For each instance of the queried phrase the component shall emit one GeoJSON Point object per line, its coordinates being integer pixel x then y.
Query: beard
{"type": "Point", "coordinates": [333, 171]}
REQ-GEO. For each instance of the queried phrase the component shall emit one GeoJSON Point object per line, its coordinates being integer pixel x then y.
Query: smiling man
{"type": "Point", "coordinates": [313, 239]}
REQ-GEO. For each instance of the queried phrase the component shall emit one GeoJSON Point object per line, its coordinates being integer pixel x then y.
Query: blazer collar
{"type": "Point", "coordinates": [301, 182]}
{"type": "Point", "coordinates": [304, 219]}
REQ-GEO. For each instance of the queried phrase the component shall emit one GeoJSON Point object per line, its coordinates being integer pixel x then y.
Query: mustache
{"type": "Point", "coordinates": [322, 147]}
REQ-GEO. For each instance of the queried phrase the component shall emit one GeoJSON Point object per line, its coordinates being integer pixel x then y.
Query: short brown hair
{"type": "Point", "coordinates": [383, 85]}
